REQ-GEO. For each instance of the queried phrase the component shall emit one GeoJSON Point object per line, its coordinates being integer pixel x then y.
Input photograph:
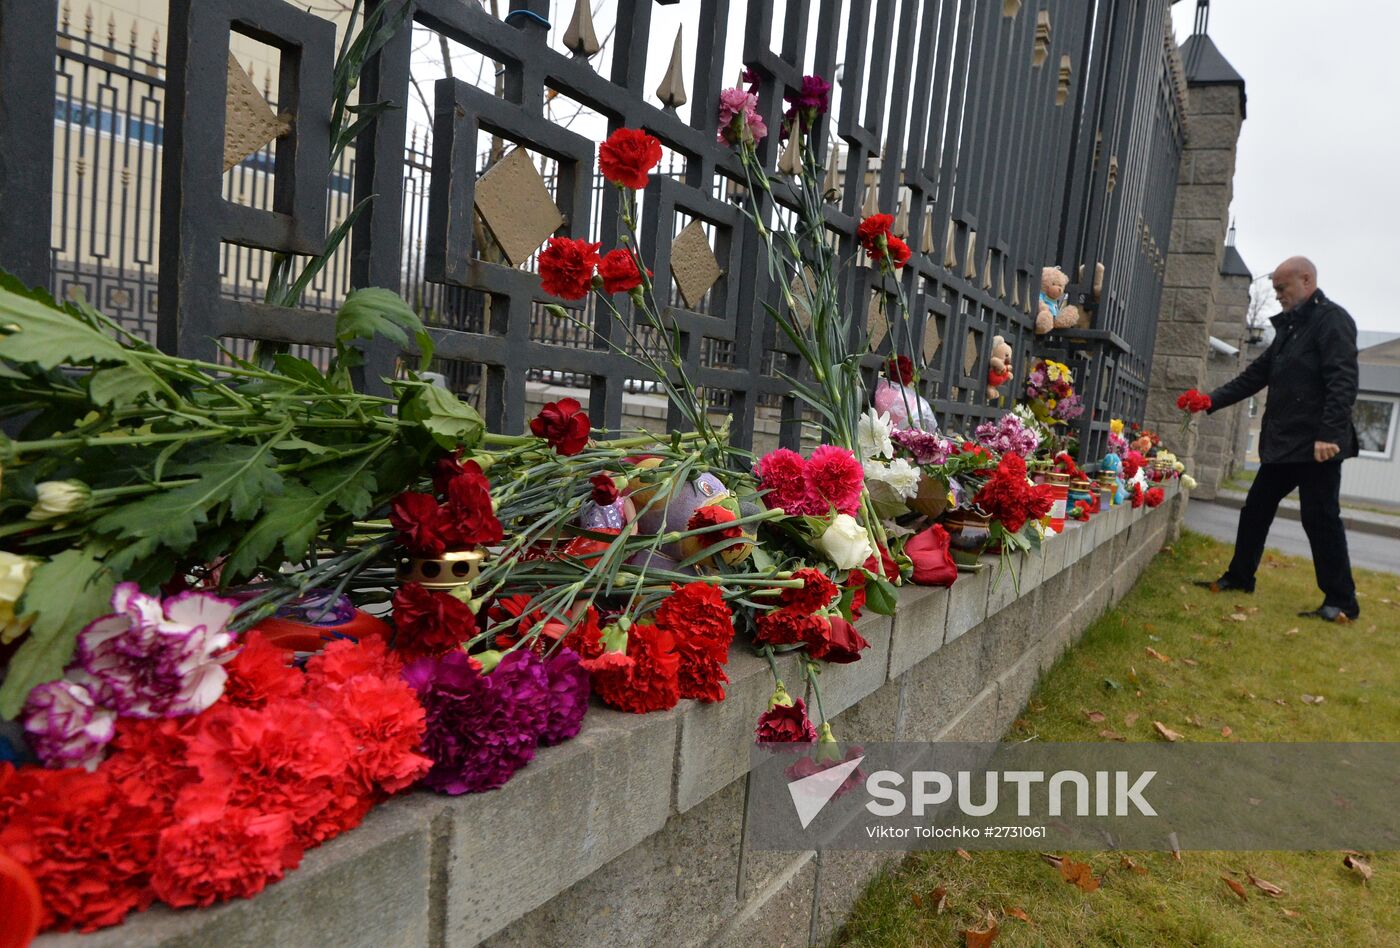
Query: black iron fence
{"type": "Point", "coordinates": [1005, 136]}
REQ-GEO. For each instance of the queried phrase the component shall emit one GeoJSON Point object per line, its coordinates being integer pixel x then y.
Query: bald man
{"type": "Point", "coordinates": [1310, 370]}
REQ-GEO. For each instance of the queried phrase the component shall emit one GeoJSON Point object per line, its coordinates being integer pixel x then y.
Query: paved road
{"type": "Point", "coordinates": [1368, 550]}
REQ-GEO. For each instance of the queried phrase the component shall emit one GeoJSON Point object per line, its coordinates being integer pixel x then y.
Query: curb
{"type": "Point", "coordinates": [1291, 511]}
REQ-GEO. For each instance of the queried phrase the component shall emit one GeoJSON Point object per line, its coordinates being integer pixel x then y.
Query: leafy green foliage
{"type": "Point", "coordinates": [447, 418]}
{"type": "Point", "coordinates": [49, 337]}
{"type": "Point", "coordinates": [378, 312]}
{"type": "Point", "coordinates": [64, 594]}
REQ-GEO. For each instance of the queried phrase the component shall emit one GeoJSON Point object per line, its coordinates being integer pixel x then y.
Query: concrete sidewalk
{"type": "Point", "coordinates": [1360, 521]}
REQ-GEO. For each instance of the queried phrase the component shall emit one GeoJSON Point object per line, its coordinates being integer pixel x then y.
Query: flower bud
{"type": "Point", "coordinates": [14, 577]}
{"type": "Point", "coordinates": [489, 659]}
{"type": "Point", "coordinates": [59, 498]}
{"type": "Point", "coordinates": [780, 697]}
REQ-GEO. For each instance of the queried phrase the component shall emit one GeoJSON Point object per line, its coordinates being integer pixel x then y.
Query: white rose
{"type": "Point", "coordinates": [1188, 482]}
{"type": "Point", "coordinates": [58, 498]}
{"type": "Point", "coordinates": [14, 577]}
{"type": "Point", "coordinates": [873, 432]}
{"type": "Point", "coordinates": [846, 543]}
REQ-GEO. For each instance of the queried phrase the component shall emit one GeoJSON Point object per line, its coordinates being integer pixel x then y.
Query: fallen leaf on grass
{"type": "Point", "coordinates": [1110, 683]}
{"type": "Point", "coordinates": [1131, 866]}
{"type": "Point", "coordinates": [1130, 718]}
{"type": "Point", "coordinates": [1356, 864]}
{"type": "Point", "coordinates": [1153, 653]}
{"type": "Point", "coordinates": [979, 937]}
{"type": "Point", "coordinates": [1095, 717]}
{"type": "Point", "coordinates": [1052, 859]}
{"type": "Point", "coordinates": [1280, 702]}
{"type": "Point", "coordinates": [1176, 846]}
{"type": "Point", "coordinates": [1268, 888]}
{"type": "Point", "coordinates": [1236, 888]}
{"type": "Point", "coordinates": [964, 853]}
{"type": "Point", "coordinates": [1289, 913]}
{"type": "Point", "coordinates": [1292, 631]}
{"type": "Point", "coordinates": [1020, 914]}
{"type": "Point", "coordinates": [1111, 736]}
{"type": "Point", "coordinates": [940, 899]}
{"type": "Point", "coordinates": [1080, 874]}
{"type": "Point", "coordinates": [1132, 674]}
{"type": "Point", "coordinates": [1194, 721]}
{"type": "Point", "coordinates": [1313, 699]}
{"type": "Point", "coordinates": [1225, 731]}
{"type": "Point", "coordinates": [1190, 661]}
{"type": "Point", "coordinates": [1166, 732]}
{"type": "Point", "coordinates": [1036, 707]}
{"type": "Point", "coordinates": [1237, 617]}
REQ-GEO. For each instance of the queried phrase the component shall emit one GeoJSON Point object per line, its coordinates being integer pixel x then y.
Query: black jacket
{"type": "Point", "coordinates": [1310, 370]}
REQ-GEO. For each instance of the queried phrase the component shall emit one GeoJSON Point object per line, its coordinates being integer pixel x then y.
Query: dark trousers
{"type": "Point", "coordinates": [1319, 494]}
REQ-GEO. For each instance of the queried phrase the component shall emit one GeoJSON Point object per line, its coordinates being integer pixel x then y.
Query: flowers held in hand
{"type": "Point", "coordinates": [845, 542]}
{"type": "Point", "coordinates": [739, 121]}
{"type": "Point", "coordinates": [618, 268]}
{"type": "Point", "coordinates": [627, 157]}
{"type": "Point", "coordinates": [1010, 498]}
{"type": "Point", "coordinates": [566, 267]}
{"type": "Point", "coordinates": [564, 424]}
{"type": "Point", "coordinates": [785, 721]}
{"type": "Point", "coordinates": [1193, 401]}
{"type": "Point", "coordinates": [57, 499]}
{"type": "Point", "coordinates": [65, 726]}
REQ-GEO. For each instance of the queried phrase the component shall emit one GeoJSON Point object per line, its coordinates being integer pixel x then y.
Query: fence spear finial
{"type": "Point", "coordinates": [671, 92]}
{"type": "Point", "coordinates": [580, 38]}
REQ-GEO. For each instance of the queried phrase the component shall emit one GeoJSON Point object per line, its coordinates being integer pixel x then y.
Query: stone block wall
{"type": "Point", "coordinates": [1218, 448]}
{"type": "Point", "coordinates": [633, 833]}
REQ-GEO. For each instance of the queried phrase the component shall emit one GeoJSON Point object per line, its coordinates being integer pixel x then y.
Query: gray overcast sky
{"type": "Point", "coordinates": [1317, 168]}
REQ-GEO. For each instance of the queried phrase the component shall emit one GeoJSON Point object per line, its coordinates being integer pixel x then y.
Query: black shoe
{"type": "Point", "coordinates": [1225, 583]}
{"type": "Point", "coordinates": [1332, 613]}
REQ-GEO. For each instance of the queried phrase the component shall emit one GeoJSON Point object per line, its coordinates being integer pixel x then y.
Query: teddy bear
{"type": "Point", "coordinates": [1054, 313]}
{"type": "Point", "coordinates": [998, 367]}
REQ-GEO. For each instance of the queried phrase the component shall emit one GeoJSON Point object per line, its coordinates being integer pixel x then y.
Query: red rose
{"type": "Point", "coordinates": [933, 562]}
{"type": "Point", "coordinates": [566, 267]}
{"type": "Point", "coordinates": [627, 157]}
{"type": "Point", "coordinates": [898, 250]}
{"type": "Point", "coordinates": [900, 369]}
{"type": "Point", "coordinates": [563, 424]}
{"type": "Point", "coordinates": [816, 593]}
{"type": "Point", "coordinates": [423, 528]}
{"type": "Point", "coordinates": [712, 515]}
{"type": "Point", "coordinates": [619, 272]}
{"type": "Point", "coordinates": [838, 642]}
{"type": "Point", "coordinates": [1155, 496]}
{"type": "Point", "coordinates": [469, 508]}
{"type": "Point", "coordinates": [428, 622]}
{"type": "Point", "coordinates": [785, 724]}
{"type": "Point", "coordinates": [872, 229]}
{"type": "Point", "coordinates": [605, 491]}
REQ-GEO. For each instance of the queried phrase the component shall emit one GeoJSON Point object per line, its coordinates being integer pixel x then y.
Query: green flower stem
{"type": "Point", "coordinates": [811, 672]}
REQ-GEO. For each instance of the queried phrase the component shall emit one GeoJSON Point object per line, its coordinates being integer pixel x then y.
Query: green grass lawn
{"type": "Point", "coordinates": [1237, 669]}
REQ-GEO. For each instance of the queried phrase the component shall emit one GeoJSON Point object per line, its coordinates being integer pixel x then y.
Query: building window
{"type": "Point", "coordinates": [1375, 425]}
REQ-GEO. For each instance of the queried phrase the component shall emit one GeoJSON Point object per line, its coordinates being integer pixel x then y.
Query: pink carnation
{"type": "Point", "coordinates": [735, 103]}
{"type": "Point", "coordinates": [66, 727]}
{"type": "Point", "coordinates": [782, 474]}
{"type": "Point", "coordinates": [834, 478]}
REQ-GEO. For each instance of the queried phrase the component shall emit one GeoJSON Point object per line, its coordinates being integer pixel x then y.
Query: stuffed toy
{"type": "Point", "coordinates": [1112, 462]}
{"type": "Point", "coordinates": [1054, 312]}
{"type": "Point", "coordinates": [998, 367]}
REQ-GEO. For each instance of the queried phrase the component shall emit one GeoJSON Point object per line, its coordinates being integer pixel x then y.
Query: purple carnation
{"type": "Point", "coordinates": [925, 446]}
{"type": "Point", "coordinates": [66, 727]}
{"type": "Point", "coordinates": [815, 94]}
{"type": "Point", "coordinates": [152, 658]}
{"type": "Point", "coordinates": [1007, 435]}
{"type": "Point", "coordinates": [568, 697]}
{"type": "Point", "coordinates": [481, 728]}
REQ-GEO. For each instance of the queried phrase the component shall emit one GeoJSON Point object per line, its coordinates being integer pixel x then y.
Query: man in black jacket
{"type": "Point", "coordinates": [1310, 370]}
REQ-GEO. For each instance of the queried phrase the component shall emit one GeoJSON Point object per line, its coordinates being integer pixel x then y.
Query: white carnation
{"type": "Point", "coordinates": [873, 431]}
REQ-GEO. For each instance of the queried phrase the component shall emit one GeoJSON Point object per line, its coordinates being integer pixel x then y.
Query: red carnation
{"type": "Point", "coordinates": [627, 157]}
{"type": "Point", "coordinates": [619, 272]}
{"type": "Point", "coordinates": [835, 640]}
{"type": "Point", "coordinates": [423, 528]}
{"type": "Point", "coordinates": [785, 724]}
{"type": "Point", "coordinates": [855, 582]}
{"type": "Point", "coordinates": [566, 267]}
{"type": "Point", "coordinates": [231, 855]}
{"type": "Point", "coordinates": [834, 478]}
{"type": "Point", "coordinates": [816, 592]}
{"type": "Point", "coordinates": [1133, 462]}
{"type": "Point", "coordinates": [1155, 496]}
{"type": "Point", "coordinates": [696, 616]}
{"type": "Point", "coordinates": [605, 492]}
{"type": "Point", "coordinates": [872, 229]}
{"type": "Point", "coordinates": [900, 369]}
{"type": "Point", "coordinates": [898, 250]}
{"type": "Point", "coordinates": [563, 424]}
{"type": "Point", "coordinates": [446, 468]}
{"type": "Point", "coordinates": [651, 682]}
{"type": "Point", "coordinates": [787, 627]}
{"type": "Point", "coordinates": [428, 622]}
{"type": "Point", "coordinates": [781, 474]}
{"type": "Point", "coordinates": [712, 515]}
{"type": "Point", "coordinates": [1138, 496]}
{"type": "Point", "coordinates": [1193, 401]}
{"type": "Point", "coordinates": [259, 672]}
{"type": "Point", "coordinates": [469, 508]}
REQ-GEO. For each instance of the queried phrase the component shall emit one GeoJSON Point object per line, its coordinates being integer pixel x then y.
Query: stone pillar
{"type": "Point", "coordinates": [1218, 446]}
{"type": "Point", "coordinates": [1215, 110]}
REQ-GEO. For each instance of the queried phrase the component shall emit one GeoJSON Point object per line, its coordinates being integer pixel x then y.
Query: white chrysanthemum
{"type": "Point", "coordinates": [903, 477]}
{"type": "Point", "coordinates": [873, 430]}
{"type": "Point", "coordinates": [1188, 482]}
